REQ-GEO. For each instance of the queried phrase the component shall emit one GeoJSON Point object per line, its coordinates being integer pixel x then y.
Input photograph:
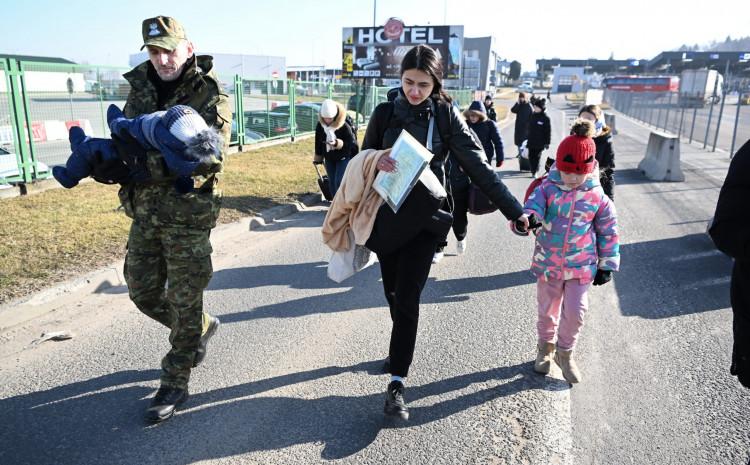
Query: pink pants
{"type": "Point", "coordinates": [561, 308]}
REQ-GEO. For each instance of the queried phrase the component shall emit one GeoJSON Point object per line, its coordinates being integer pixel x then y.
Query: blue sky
{"type": "Point", "coordinates": [309, 32]}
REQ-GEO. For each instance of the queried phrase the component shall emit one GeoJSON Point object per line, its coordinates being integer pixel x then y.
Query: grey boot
{"type": "Point", "coordinates": [564, 358]}
{"type": "Point", "coordinates": [544, 357]}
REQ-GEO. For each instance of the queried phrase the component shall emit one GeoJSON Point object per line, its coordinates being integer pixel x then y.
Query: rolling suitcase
{"type": "Point", "coordinates": [324, 183]}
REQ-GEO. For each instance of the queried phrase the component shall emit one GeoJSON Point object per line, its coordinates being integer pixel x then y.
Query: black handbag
{"type": "Point", "coordinates": [479, 204]}
{"type": "Point", "coordinates": [440, 223]}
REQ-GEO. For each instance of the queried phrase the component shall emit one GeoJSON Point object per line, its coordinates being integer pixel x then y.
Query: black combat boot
{"type": "Point", "coordinates": [200, 352]}
{"type": "Point", "coordinates": [165, 403]}
{"type": "Point", "coordinates": [395, 406]}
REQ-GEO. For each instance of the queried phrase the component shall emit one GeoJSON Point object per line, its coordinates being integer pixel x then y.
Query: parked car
{"type": "Point", "coordinates": [305, 115]}
{"type": "Point", "coordinates": [250, 135]}
{"type": "Point", "coordinates": [9, 166]}
{"type": "Point", "coordinates": [526, 87]}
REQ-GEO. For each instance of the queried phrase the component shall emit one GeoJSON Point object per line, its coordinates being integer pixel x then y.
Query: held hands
{"type": "Point", "coordinates": [602, 277]}
{"type": "Point", "coordinates": [524, 224]}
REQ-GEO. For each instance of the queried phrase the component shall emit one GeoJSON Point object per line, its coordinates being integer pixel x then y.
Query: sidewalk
{"type": "Point", "coordinates": [102, 280]}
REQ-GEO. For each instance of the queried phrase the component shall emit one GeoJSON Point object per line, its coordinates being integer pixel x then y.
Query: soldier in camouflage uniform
{"type": "Point", "coordinates": [169, 242]}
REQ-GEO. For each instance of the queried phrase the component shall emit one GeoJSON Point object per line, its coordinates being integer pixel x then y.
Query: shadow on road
{"type": "Point", "coordinates": [672, 277]}
{"type": "Point", "coordinates": [362, 291]}
{"type": "Point", "coordinates": [99, 420]}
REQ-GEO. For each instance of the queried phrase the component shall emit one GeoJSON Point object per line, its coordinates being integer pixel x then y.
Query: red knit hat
{"type": "Point", "coordinates": [577, 152]}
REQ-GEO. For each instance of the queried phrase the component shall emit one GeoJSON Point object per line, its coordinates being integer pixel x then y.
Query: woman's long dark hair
{"type": "Point", "coordinates": [424, 58]}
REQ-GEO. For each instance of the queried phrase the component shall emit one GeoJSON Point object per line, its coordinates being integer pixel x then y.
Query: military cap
{"type": "Point", "coordinates": [162, 31]}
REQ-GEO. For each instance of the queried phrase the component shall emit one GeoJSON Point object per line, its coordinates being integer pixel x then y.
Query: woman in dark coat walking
{"type": "Point", "coordinates": [539, 133]}
{"type": "Point", "coordinates": [730, 231]}
{"type": "Point", "coordinates": [335, 141]}
{"type": "Point", "coordinates": [422, 107]}
{"type": "Point", "coordinates": [522, 109]}
{"type": "Point", "coordinates": [605, 153]}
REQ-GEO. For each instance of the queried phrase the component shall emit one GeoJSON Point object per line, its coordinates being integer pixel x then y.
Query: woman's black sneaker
{"type": "Point", "coordinates": [395, 406]}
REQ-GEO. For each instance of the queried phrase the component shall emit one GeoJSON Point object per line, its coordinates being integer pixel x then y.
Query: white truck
{"type": "Point", "coordinates": [697, 87]}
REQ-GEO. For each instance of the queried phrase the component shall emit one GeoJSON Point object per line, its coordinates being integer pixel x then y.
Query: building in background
{"type": "Point", "coordinates": [226, 65]}
{"type": "Point", "coordinates": [484, 69]}
{"type": "Point", "coordinates": [313, 73]}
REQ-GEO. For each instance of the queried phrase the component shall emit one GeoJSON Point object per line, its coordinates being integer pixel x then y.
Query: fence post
{"type": "Point", "coordinates": [292, 90]}
{"type": "Point", "coordinates": [666, 118]}
{"type": "Point", "coordinates": [736, 121]}
{"type": "Point", "coordinates": [105, 129]}
{"type": "Point", "coordinates": [19, 116]}
{"type": "Point", "coordinates": [723, 98]}
{"type": "Point", "coordinates": [658, 112]}
{"type": "Point", "coordinates": [239, 109]}
{"type": "Point", "coordinates": [692, 126]}
{"type": "Point", "coordinates": [330, 90]}
{"type": "Point", "coordinates": [682, 117]}
{"type": "Point", "coordinates": [711, 110]}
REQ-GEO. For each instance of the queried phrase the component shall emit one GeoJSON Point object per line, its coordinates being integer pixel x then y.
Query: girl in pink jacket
{"type": "Point", "coordinates": [577, 244]}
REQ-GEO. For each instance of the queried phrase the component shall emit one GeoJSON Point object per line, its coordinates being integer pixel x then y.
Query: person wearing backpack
{"type": "Point", "coordinates": [539, 133]}
{"type": "Point", "coordinates": [422, 107]}
{"type": "Point", "coordinates": [335, 141]}
{"type": "Point", "coordinates": [488, 135]}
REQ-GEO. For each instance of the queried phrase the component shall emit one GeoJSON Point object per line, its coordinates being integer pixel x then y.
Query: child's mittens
{"type": "Point", "coordinates": [602, 277]}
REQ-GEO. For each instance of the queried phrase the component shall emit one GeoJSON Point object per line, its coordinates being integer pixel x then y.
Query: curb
{"type": "Point", "coordinates": [48, 300]}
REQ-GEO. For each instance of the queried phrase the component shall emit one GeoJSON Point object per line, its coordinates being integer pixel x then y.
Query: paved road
{"type": "Point", "coordinates": [292, 375]}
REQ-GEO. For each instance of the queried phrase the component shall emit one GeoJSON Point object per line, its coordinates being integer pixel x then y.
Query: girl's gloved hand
{"type": "Point", "coordinates": [602, 277]}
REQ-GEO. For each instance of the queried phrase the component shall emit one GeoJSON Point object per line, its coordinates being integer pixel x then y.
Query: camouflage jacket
{"type": "Point", "coordinates": [156, 202]}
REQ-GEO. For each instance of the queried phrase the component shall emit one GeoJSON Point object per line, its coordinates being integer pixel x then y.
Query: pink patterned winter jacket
{"type": "Point", "coordinates": [579, 229]}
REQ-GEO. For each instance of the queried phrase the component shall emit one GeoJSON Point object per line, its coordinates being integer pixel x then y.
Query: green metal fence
{"type": "Point", "coordinates": [39, 102]}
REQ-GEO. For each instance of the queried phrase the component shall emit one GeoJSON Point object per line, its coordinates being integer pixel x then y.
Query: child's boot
{"type": "Point", "coordinates": [544, 357]}
{"type": "Point", "coordinates": [564, 358]}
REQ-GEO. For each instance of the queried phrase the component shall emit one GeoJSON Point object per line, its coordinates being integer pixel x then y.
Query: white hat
{"type": "Point", "coordinates": [329, 109]}
{"type": "Point", "coordinates": [184, 123]}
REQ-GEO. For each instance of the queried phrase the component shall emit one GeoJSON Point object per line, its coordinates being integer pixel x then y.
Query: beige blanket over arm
{"type": "Point", "coordinates": [356, 203]}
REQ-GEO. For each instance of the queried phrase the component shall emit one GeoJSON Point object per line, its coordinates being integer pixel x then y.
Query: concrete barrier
{"type": "Point", "coordinates": [662, 160]}
{"type": "Point", "coordinates": [81, 123]}
{"type": "Point", "coordinates": [55, 130]}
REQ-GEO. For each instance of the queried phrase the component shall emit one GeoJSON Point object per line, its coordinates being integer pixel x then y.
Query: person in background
{"type": "Point", "coordinates": [335, 141]}
{"type": "Point", "coordinates": [605, 153]}
{"type": "Point", "coordinates": [489, 107]}
{"type": "Point", "coordinates": [522, 109]}
{"type": "Point", "coordinates": [539, 133]}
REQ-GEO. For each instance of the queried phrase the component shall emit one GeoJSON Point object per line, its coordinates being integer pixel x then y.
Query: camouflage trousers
{"type": "Point", "coordinates": [167, 269]}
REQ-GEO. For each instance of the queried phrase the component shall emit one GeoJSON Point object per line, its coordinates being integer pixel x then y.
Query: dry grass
{"type": "Point", "coordinates": [57, 234]}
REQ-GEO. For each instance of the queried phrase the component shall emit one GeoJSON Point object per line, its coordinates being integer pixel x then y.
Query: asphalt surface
{"type": "Point", "coordinates": [292, 375]}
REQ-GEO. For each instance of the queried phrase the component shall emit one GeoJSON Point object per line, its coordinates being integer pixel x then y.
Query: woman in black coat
{"type": "Point", "coordinates": [730, 231]}
{"type": "Point", "coordinates": [539, 133]}
{"type": "Point", "coordinates": [335, 141]}
{"type": "Point", "coordinates": [421, 104]}
{"type": "Point", "coordinates": [522, 109]}
{"type": "Point", "coordinates": [605, 153]}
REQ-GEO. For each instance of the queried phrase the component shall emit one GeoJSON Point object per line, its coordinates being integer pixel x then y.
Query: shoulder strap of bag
{"type": "Point", "coordinates": [387, 122]}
